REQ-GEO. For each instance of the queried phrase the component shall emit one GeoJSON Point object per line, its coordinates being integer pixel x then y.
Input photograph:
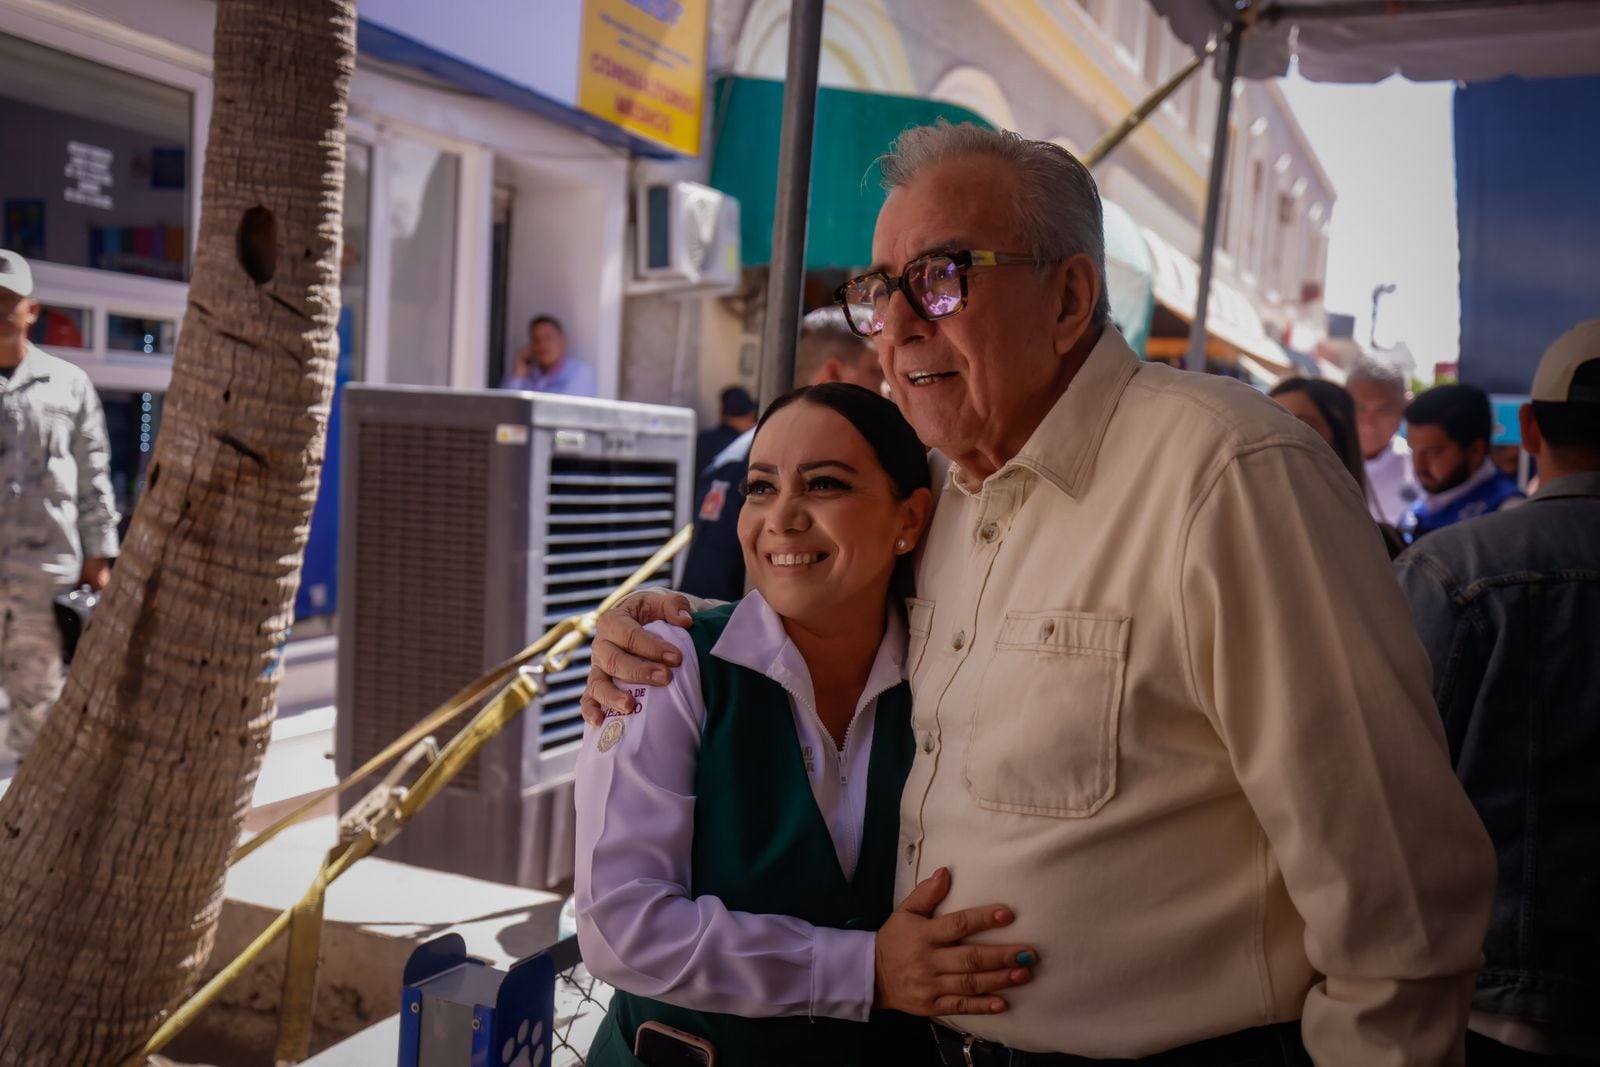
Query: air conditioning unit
{"type": "Point", "coordinates": [687, 235]}
{"type": "Point", "coordinates": [470, 523]}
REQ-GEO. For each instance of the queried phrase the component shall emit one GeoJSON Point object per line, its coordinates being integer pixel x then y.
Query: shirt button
{"type": "Point", "coordinates": [927, 742]}
{"type": "Point", "coordinates": [911, 852]}
{"type": "Point", "coordinates": [959, 641]}
{"type": "Point", "coordinates": [1047, 630]}
{"type": "Point", "coordinates": [989, 532]}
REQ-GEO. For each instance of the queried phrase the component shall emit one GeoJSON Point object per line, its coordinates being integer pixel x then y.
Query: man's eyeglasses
{"type": "Point", "coordinates": [935, 285]}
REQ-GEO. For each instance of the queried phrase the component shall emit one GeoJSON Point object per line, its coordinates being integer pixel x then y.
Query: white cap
{"type": "Point", "coordinates": [14, 273]}
{"type": "Point", "coordinates": [1552, 382]}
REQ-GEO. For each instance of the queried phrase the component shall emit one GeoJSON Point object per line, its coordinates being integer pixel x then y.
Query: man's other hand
{"type": "Point", "coordinates": [925, 966]}
{"type": "Point", "coordinates": [624, 653]}
{"type": "Point", "coordinates": [96, 573]}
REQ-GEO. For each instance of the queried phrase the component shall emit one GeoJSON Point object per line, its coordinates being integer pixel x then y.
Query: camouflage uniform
{"type": "Point", "coordinates": [56, 507]}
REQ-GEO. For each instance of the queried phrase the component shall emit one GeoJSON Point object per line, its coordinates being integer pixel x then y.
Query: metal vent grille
{"type": "Point", "coordinates": [602, 519]}
{"type": "Point", "coordinates": [422, 498]}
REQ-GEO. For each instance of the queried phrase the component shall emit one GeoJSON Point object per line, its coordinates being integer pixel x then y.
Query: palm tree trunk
{"type": "Point", "coordinates": [115, 835]}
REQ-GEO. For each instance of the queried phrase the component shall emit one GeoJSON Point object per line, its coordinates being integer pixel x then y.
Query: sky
{"type": "Point", "coordinates": [1389, 150]}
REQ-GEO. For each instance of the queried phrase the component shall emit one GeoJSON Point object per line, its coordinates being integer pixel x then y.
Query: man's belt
{"type": "Point", "coordinates": [1279, 1044]}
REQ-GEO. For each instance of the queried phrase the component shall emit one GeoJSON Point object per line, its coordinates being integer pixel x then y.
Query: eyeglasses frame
{"type": "Point", "coordinates": [964, 259]}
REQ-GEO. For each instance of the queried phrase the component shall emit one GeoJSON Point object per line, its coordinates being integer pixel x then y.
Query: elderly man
{"type": "Point", "coordinates": [58, 518]}
{"type": "Point", "coordinates": [1167, 701]}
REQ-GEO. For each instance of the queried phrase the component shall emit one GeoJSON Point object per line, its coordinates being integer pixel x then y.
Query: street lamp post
{"type": "Point", "coordinates": [1378, 293]}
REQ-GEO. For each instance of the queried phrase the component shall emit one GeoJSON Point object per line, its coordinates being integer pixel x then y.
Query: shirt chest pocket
{"type": "Point", "coordinates": [55, 431]}
{"type": "Point", "coordinates": [1044, 736]}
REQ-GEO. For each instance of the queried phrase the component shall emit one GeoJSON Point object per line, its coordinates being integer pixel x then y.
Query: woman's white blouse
{"type": "Point", "coordinates": [638, 925]}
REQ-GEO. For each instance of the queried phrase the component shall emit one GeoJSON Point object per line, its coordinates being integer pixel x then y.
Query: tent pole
{"type": "Point", "coordinates": [1136, 117]}
{"type": "Point", "coordinates": [785, 287]}
{"type": "Point", "coordinates": [1196, 357]}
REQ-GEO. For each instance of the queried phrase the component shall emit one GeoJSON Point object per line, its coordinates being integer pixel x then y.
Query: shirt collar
{"type": "Point", "coordinates": [1584, 484]}
{"type": "Point", "coordinates": [31, 367]}
{"type": "Point", "coordinates": [1063, 447]}
{"type": "Point", "coordinates": [557, 369]}
{"type": "Point", "coordinates": [1394, 454]}
{"type": "Point", "coordinates": [1437, 501]}
{"type": "Point", "coordinates": [755, 638]}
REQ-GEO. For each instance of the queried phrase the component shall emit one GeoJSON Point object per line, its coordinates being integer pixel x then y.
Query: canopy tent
{"type": "Point", "coordinates": [1423, 40]}
{"type": "Point", "coordinates": [1366, 41]}
{"type": "Point", "coordinates": [852, 129]}
{"type": "Point", "coordinates": [1230, 318]}
{"type": "Point", "coordinates": [1129, 271]}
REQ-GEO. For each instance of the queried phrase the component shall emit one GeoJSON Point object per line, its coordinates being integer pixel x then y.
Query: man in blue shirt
{"type": "Point", "coordinates": [828, 352]}
{"type": "Point", "coordinates": [1448, 429]}
{"type": "Point", "coordinates": [543, 365]}
{"type": "Point", "coordinates": [1508, 608]}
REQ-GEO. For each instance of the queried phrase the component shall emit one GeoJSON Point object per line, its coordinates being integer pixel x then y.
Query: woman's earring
{"type": "Point", "coordinates": [900, 546]}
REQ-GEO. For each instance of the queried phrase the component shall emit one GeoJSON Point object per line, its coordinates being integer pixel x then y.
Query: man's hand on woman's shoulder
{"type": "Point", "coordinates": [625, 653]}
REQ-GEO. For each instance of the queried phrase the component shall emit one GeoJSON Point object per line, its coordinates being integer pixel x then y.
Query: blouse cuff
{"type": "Point", "coordinates": [842, 975]}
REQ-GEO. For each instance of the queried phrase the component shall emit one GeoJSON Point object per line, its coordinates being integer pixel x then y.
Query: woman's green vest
{"type": "Point", "coordinates": [761, 846]}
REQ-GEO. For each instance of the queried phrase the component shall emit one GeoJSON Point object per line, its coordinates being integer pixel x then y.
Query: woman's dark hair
{"type": "Point", "coordinates": [1339, 412]}
{"type": "Point", "coordinates": [902, 456]}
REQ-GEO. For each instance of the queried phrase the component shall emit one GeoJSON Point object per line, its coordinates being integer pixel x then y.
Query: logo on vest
{"type": "Point", "coordinates": [716, 499]}
{"type": "Point", "coordinates": [610, 735]}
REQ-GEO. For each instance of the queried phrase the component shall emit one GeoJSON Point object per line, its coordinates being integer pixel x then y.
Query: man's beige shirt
{"type": "Point", "coordinates": [1169, 706]}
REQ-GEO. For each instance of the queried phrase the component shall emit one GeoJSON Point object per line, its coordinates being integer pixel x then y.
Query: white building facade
{"type": "Point", "coordinates": [1068, 71]}
{"type": "Point", "coordinates": [465, 214]}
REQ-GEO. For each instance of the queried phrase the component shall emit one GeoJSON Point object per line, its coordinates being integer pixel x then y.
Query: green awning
{"type": "Point", "coordinates": [1129, 271]}
{"type": "Point", "coordinates": [853, 129]}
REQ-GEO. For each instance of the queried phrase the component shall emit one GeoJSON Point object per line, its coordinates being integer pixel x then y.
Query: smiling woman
{"type": "Point", "coordinates": [767, 776]}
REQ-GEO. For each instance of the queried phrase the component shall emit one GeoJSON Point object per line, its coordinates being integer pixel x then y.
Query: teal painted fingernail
{"type": "Point", "coordinates": [1026, 959]}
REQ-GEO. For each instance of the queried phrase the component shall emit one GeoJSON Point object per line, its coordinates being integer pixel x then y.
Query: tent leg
{"type": "Point", "coordinates": [1196, 357]}
{"type": "Point", "coordinates": [785, 287]}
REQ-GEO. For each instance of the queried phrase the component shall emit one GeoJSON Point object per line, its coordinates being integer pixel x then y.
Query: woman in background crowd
{"type": "Point", "coordinates": [1329, 410]}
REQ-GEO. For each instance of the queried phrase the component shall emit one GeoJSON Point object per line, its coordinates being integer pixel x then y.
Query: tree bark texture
{"type": "Point", "coordinates": [115, 835]}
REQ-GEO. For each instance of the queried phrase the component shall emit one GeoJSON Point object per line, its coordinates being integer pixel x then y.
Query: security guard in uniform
{"type": "Point", "coordinates": [58, 518]}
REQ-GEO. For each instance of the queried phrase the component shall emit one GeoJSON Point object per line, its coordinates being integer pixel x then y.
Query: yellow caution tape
{"type": "Point", "coordinates": [525, 686]}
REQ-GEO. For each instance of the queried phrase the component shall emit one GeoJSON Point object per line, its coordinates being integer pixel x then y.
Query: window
{"type": "Point", "coordinates": [1126, 24]}
{"type": "Point", "coordinates": [94, 164]}
{"type": "Point", "coordinates": [423, 183]}
{"type": "Point", "coordinates": [354, 261]}
{"type": "Point", "coordinates": [1156, 50]}
{"type": "Point", "coordinates": [63, 326]}
{"type": "Point", "coordinates": [141, 335]}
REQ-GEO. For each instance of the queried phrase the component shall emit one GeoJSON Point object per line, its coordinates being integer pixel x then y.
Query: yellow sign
{"type": "Point", "coordinates": [643, 67]}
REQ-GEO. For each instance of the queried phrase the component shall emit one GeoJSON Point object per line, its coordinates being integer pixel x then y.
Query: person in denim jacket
{"type": "Point", "coordinates": [1508, 607]}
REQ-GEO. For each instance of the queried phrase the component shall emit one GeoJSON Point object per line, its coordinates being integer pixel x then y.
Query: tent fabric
{"type": "Point", "coordinates": [1230, 317]}
{"type": "Point", "coordinates": [1423, 40]}
{"type": "Point", "coordinates": [1529, 221]}
{"type": "Point", "coordinates": [1129, 270]}
{"type": "Point", "coordinates": [852, 130]}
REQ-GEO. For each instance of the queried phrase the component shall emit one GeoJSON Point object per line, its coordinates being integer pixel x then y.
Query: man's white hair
{"type": "Point", "coordinates": [1378, 371]}
{"type": "Point", "coordinates": [1057, 203]}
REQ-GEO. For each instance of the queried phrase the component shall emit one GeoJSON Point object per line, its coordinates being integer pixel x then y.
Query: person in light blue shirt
{"type": "Point", "coordinates": [544, 366]}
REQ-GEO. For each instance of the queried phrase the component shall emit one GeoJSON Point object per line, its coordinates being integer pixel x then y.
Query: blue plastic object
{"type": "Point", "coordinates": [459, 1011]}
